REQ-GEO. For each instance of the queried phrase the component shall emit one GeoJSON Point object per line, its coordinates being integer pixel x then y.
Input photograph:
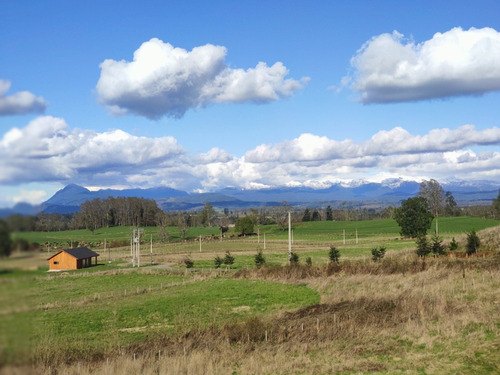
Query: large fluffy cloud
{"type": "Point", "coordinates": [390, 68]}
{"type": "Point", "coordinates": [165, 80]}
{"type": "Point", "coordinates": [47, 150]}
{"type": "Point", "coordinates": [20, 103]}
{"type": "Point", "coordinates": [310, 147]}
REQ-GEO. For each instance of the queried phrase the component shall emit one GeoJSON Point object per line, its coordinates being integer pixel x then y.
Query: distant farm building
{"type": "Point", "coordinates": [72, 259]}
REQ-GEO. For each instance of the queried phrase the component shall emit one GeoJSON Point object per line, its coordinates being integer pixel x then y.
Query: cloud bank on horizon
{"type": "Point", "coordinates": [390, 68]}
{"type": "Point", "coordinates": [116, 158]}
{"type": "Point", "coordinates": [163, 80]}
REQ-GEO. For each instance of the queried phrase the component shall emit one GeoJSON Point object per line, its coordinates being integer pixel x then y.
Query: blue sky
{"type": "Point", "coordinates": [200, 95]}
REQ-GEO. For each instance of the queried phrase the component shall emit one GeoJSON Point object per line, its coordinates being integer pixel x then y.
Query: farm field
{"type": "Point", "coordinates": [398, 315]}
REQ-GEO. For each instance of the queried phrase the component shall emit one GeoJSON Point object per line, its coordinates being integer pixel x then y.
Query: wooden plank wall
{"type": "Point", "coordinates": [66, 262]}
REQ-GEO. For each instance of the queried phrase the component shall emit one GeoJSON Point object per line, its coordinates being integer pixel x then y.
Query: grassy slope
{"type": "Point", "coordinates": [80, 315]}
{"type": "Point", "coordinates": [431, 320]}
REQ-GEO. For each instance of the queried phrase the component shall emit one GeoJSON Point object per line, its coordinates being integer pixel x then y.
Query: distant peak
{"type": "Point", "coordinates": [74, 187]}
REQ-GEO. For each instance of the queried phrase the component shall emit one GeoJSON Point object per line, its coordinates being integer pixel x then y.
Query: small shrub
{"type": "Point", "coordinates": [228, 259]}
{"type": "Point", "coordinates": [437, 246]}
{"type": "Point", "coordinates": [378, 253]}
{"type": "Point", "coordinates": [218, 261]}
{"type": "Point", "coordinates": [473, 242]}
{"type": "Point", "coordinates": [334, 254]}
{"type": "Point", "coordinates": [34, 246]}
{"type": "Point", "coordinates": [294, 258]}
{"type": "Point", "coordinates": [423, 247]}
{"type": "Point", "coordinates": [453, 244]}
{"type": "Point", "coordinates": [309, 262]}
{"type": "Point", "coordinates": [188, 262]}
{"type": "Point", "coordinates": [20, 244]}
{"type": "Point", "coordinates": [259, 259]}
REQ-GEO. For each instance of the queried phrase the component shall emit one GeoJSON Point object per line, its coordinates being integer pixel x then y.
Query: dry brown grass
{"type": "Point", "coordinates": [400, 315]}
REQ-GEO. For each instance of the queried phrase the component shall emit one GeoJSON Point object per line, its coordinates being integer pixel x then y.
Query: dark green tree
{"type": "Point", "coordinates": [423, 247]}
{"type": "Point", "coordinates": [437, 246]}
{"type": "Point", "coordinates": [228, 259]}
{"type": "Point", "coordinates": [334, 254]}
{"type": "Point", "coordinates": [451, 208]}
{"type": "Point", "coordinates": [20, 244]}
{"type": "Point", "coordinates": [259, 259]}
{"type": "Point", "coordinates": [316, 216]}
{"type": "Point", "coordinates": [329, 214]}
{"type": "Point", "coordinates": [188, 262]}
{"type": "Point", "coordinates": [413, 217]}
{"type": "Point", "coordinates": [244, 225]}
{"type": "Point", "coordinates": [218, 261]}
{"type": "Point", "coordinates": [473, 242]}
{"type": "Point", "coordinates": [307, 215]}
{"type": "Point", "coordinates": [496, 206]}
{"type": "Point", "coordinates": [206, 214]}
{"type": "Point", "coordinates": [453, 244]}
{"type": "Point", "coordinates": [294, 259]}
{"type": "Point", "coordinates": [5, 240]}
{"type": "Point", "coordinates": [378, 253]}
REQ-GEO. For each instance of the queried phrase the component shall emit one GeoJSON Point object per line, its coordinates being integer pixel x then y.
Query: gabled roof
{"type": "Point", "coordinates": [78, 253]}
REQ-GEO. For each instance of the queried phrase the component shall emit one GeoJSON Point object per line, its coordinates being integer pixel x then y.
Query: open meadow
{"type": "Point", "coordinates": [438, 315]}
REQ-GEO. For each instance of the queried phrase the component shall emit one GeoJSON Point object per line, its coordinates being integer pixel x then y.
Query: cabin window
{"type": "Point", "coordinates": [56, 262]}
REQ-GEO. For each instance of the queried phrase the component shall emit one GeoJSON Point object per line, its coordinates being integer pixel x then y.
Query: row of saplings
{"type": "Point", "coordinates": [424, 248]}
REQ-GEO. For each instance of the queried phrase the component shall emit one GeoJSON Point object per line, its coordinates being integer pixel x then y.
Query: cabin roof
{"type": "Point", "coordinates": [79, 253]}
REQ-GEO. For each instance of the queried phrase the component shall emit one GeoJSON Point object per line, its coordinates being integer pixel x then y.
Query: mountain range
{"type": "Point", "coordinates": [358, 194]}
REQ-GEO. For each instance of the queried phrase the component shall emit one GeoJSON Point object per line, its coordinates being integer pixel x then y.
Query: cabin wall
{"type": "Point", "coordinates": [63, 261]}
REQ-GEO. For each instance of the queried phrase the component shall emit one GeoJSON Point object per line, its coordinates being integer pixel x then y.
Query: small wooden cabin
{"type": "Point", "coordinates": [72, 259]}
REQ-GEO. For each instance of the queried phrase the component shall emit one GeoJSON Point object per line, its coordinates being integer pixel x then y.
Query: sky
{"type": "Point", "coordinates": [198, 95]}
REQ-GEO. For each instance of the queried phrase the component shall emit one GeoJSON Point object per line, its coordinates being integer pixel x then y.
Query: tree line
{"type": "Point", "coordinates": [133, 211]}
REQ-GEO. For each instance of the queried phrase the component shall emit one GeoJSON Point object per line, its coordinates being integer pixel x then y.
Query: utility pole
{"type": "Point", "coordinates": [109, 254]}
{"type": "Point", "coordinates": [289, 238]}
{"type": "Point", "coordinates": [151, 250]}
{"type": "Point", "coordinates": [136, 248]}
{"type": "Point", "coordinates": [132, 250]}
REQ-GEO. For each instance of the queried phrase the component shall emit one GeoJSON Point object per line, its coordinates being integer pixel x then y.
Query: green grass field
{"type": "Point", "coordinates": [311, 239]}
{"type": "Point", "coordinates": [68, 316]}
{"type": "Point", "coordinates": [320, 231]}
{"type": "Point", "coordinates": [390, 317]}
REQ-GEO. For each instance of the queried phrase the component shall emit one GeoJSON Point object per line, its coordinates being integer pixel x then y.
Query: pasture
{"type": "Point", "coordinates": [399, 315]}
{"type": "Point", "coordinates": [311, 239]}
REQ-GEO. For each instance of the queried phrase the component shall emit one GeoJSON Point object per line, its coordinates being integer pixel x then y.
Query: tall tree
{"type": "Point", "coordinates": [280, 215]}
{"type": "Point", "coordinates": [496, 205]}
{"type": "Point", "coordinates": [206, 214]}
{"type": "Point", "coordinates": [329, 213]}
{"type": "Point", "coordinates": [244, 225]}
{"type": "Point", "coordinates": [433, 193]}
{"type": "Point", "coordinates": [414, 217]}
{"type": "Point", "coordinates": [307, 215]}
{"type": "Point", "coordinates": [316, 216]}
{"type": "Point", "coordinates": [451, 208]}
{"type": "Point", "coordinates": [5, 240]}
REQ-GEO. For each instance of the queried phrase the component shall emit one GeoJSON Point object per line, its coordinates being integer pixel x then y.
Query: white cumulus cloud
{"type": "Point", "coordinates": [19, 103]}
{"type": "Point", "coordinates": [391, 68]}
{"type": "Point", "coordinates": [47, 150]}
{"type": "Point", "coordinates": [163, 80]}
